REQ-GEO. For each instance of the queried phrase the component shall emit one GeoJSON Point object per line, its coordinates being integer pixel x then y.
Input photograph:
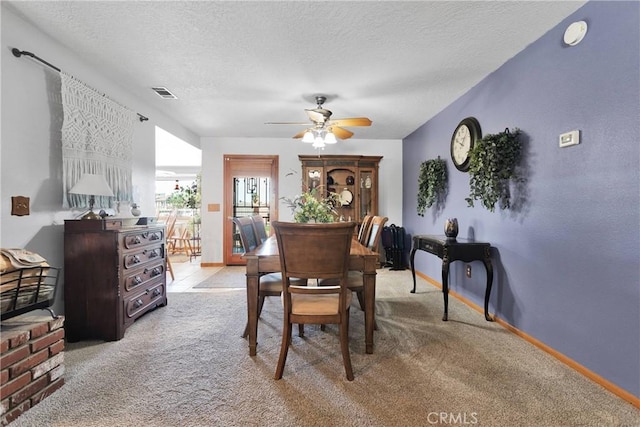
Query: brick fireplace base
{"type": "Point", "coordinates": [31, 362]}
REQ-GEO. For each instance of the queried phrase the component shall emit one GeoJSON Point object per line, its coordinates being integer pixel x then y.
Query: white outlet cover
{"type": "Point", "coordinates": [569, 138]}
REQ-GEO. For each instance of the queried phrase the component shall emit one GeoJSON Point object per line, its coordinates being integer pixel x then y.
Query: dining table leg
{"type": "Point", "coordinates": [253, 279]}
{"type": "Point", "coordinates": [369, 282]}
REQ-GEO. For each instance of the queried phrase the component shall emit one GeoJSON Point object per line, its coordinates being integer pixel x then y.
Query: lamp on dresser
{"type": "Point", "coordinates": [92, 185]}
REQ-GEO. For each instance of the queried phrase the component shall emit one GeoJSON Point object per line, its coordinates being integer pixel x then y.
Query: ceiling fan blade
{"type": "Point", "coordinates": [287, 123]}
{"type": "Point", "coordinates": [300, 134]}
{"type": "Point", "coordinates": [341, 132]}
{"type": "Point", "coordinates": [352, 121]}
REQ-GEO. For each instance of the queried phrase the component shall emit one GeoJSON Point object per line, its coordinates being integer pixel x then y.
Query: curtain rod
{"type": "Point", "coordinates": [18, 53]}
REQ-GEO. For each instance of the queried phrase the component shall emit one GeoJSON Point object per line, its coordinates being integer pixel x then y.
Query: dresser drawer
{"type": "Point", "coordinates": [144, 255]}
{"type": "Point", "coordinates": [133, 279]}
{"type": "Point", "coordinates": [141, 302]}
{"type": "Point", "coordinates": [142, 238]}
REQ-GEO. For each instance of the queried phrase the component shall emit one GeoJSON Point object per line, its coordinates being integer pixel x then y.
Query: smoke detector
{"type": "Point", "coordinates": [575, 33]}
{"type": "Point", "coordinates": [164, 93]}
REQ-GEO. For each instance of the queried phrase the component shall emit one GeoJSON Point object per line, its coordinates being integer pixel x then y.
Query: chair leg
{"type": "Point", "coordinates": [284, 349]}
{"type": "Point", "coordinates": [170, 267]}
{"type": "Point", "coordinates": [260, 305]}
{"type": "Point", "coordinates": [360, 295]}
{"type": "Point", "coordinates": [246, 330]}
{"type": "Point", "coordinates": [344, 346]}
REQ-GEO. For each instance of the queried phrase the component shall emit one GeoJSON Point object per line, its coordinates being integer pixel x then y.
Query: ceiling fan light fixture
{"type": "Point", "coordinates": [330, 138]}
{"type": "Point", "coordinates": [324, 130]}
{"type": "Point", "coordinates": [318, 143]}
{"type": "Point", "coordinates": [308, 137]}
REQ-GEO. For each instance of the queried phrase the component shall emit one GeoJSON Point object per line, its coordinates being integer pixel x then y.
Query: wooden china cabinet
{"type": "Point", "coordinates": [354, 178]}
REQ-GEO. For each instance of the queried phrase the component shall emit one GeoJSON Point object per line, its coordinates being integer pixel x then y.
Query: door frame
{"type": "Point", "coordinates": [245, 165]}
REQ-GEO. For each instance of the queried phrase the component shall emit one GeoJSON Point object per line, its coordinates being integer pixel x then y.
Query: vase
{"type": "Point", "coordinates": [135, 210]}
{"type": "Point", "coordinates": [451, 227]}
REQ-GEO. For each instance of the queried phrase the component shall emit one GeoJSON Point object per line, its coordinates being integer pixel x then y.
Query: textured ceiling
{"type": "Point", "coordinates": [236, 65]}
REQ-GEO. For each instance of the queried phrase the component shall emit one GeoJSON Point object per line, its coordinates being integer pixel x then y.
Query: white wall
{"type": "Point", "coordinates": [213, 149]}
{"type": "Point", "coordinates": [31, 154]}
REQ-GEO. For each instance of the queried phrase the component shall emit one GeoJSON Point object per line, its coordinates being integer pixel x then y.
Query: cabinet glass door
{"type": "Point", "coordinates": [313, 180]}
{"type": "Point", "coordinates": [366, 194]}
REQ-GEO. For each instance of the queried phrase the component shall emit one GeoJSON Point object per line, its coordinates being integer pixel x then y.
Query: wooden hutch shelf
{"type": "Point", "coordinates": [354, 177]}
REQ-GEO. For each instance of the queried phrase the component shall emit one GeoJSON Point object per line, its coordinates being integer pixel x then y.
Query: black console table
{"type": "Point", "coordinates": [449, 250]}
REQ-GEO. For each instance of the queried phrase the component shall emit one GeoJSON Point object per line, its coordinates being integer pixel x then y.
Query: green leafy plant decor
{"type": "Point", "coordinates": [493, 161]}
{"type": "Point", "coordinates": [186, 197]}
{"type": "Point", "coordinates": [432, 183]}
{"type": "Point", "coordinates": [311, 206]}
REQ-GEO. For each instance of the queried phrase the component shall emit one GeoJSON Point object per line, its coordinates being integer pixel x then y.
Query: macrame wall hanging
{"type": "Point", "coordinates": [97, 138]}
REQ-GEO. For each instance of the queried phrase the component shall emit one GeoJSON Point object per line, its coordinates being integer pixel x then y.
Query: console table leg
{"type": "Point", "coordinates": [413, 269]}
{"type": "Point", "coordinates": [445, 288]}
{"type": "Point", "coordinates": [489, 267]}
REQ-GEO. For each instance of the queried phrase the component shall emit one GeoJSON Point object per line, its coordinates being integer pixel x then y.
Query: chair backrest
{"type": "Point", "coordinates": [365, 227]}
{"type": "Point", "coordinates": [258, 224]}
{"type": "Point", "coordinates": [377, 224]}
{"type": "Point", "coordinates": [171, 222]}
{"type": "Point", "coordinates": [245, 228]}
{"type": "Point", "coordinates": [314, 250]}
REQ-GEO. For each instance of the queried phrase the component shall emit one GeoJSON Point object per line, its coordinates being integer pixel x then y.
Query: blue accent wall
{"type": "Point", "coordinates": [567, 255]}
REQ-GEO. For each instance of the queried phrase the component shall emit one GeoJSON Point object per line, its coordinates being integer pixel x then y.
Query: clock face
{"type": "Point", "coordinates": [461, 145]}
{"type": "Point", "coordinates": [462, 141]}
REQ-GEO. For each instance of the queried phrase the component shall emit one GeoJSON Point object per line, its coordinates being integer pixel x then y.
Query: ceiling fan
{"type": "Point", "coordinates": [323, 125]}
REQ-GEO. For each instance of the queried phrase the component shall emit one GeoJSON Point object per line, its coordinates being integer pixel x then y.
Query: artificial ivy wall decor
{"type": "Point", "coordinates": [492, 166]}
{"type": "Point", "coordinates": [432, 183]}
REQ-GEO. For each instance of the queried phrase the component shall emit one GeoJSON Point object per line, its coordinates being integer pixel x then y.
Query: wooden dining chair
{"type": "Point", "coordinates": [269, 285]}
{"type": "Point", "coordinates": [356, 278]}
{"type": "Point", "coordinates": [258, 225]}
{"type": "Point", "coordinates": [170, 223]}
{"type": "Point", "coordinates": [182, 240]}
{"type": "Point", "coordinates": [311, 251]}
{"type": "Point", "coordinates": [365, 227]}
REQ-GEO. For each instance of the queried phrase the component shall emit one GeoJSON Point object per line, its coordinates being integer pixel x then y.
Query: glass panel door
{"type": "Point", "coordinates": [250, 197]}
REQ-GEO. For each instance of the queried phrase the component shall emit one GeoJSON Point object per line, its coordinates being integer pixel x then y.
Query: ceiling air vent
{"type": "Point", "coordinates": [163, 92]}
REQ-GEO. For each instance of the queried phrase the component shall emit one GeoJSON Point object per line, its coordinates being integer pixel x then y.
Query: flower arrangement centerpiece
{"type": "Point", "coordinates": [310, 206]}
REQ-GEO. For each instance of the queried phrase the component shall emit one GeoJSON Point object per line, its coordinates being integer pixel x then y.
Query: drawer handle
{"type": "Point", "coordinates": [137, 280]}
{"type": "Point", "coordinates": [156, 292]}
{"type": "Point", "coordinates": [154, 237]}
{"type": "Point", "coordinates": [136, 240]}
{"type": "Point", "coordinates": [135, 259]}
{"type": "Point", "coordinates": [145, 234]}
{"type": "Point", "coordinates": [137, 303]}
{"type": "Point", "coordinates": [151, 254]}
{"type": "Point", "coordinates": [156, 271]}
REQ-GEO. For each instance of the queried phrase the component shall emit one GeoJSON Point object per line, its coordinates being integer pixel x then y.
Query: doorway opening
{"type": "Point", "coordinates": [250, 188]}
{"type": "Point", "coordinates": [178, 166]}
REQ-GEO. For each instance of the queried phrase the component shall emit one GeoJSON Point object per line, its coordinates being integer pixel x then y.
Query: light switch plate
{"type": "Point", "coordinates": [569, 138]}
{"type": "Point", "coordinates": [19, 205]}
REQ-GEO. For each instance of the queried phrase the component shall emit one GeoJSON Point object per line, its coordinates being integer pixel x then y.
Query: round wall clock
{"type": "Point", "coordinates": [462, 141]}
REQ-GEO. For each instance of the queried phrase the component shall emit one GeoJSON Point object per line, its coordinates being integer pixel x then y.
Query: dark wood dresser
{"type": "Point", "coordinates": [113, 274]}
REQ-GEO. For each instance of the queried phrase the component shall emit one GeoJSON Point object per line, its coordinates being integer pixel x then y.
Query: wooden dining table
{"type": "Point", "coordinates": [266, 259]}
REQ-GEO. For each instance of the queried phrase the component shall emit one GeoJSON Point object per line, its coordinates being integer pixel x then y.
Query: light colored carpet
{"type": "Point", "coordinates": [186, 365]}
{"type": "Point", "coordinates": [227, 277]}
